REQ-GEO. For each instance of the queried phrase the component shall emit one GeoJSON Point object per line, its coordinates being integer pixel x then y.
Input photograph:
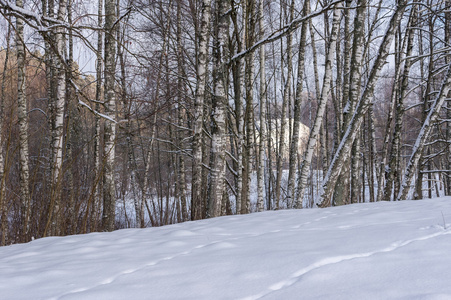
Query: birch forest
{"type": "Point", "coordinates": [139, 113]}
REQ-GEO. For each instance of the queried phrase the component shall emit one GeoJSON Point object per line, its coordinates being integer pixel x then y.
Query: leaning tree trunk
{"type": "Point", "coordinates": [343, 151]}
{"type": "Point", "coordinates": [425, 131]}
{"type": "Point", "coordinates": [314, 133]}
{"type": "Point", "coordinates": [294, 146]}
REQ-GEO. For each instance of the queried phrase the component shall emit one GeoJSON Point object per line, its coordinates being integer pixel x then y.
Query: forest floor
{"type": "Point", "coordinates": [387, 250]}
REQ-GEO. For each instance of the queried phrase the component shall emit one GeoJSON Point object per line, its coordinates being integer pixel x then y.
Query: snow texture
{"type": "Point", "coordinates": [386, 250]}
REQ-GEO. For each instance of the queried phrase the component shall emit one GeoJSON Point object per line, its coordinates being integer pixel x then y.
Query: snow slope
{"type": "Point", "coordinates": [388, 250]}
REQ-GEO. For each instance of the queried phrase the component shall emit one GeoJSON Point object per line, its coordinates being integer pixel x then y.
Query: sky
{"type": "Point", "coordinates": [386, 250]}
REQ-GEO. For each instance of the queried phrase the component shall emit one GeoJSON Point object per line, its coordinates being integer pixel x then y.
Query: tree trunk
{"type": "Point", "coordinates": [22, 119]}
{"type": "Point", "coordinates": [343, 151]}
{"type": "Point", "coordinates": [262, 144]}
{"type": "Point", "coordinates": [3, 200]}
{"type": "Point", "coordinates": [109, 136]}
{"type": "Point", "coordinates": [294, 145]}
{"type": "Point", "coordinates": [218, 132]}
{"type": "Point", "coordinates": [181, 114]}
{"type": "Point", "coordinates": [283, 118]}
{"type": "Point", "coordinates": [423, 135]}
{"type": "Point", "coordinates": [401, 93]}
{"type": "Point", "coordinates": [249, 113]}
{"type": "Point", "coordinates": [57, 132]}
{"type": "Point", "coordinates": [314, 132]}
{"type": "Point", "coordinates": [448, 112]}
{"type": "Point", "coordinates": [196, 189]}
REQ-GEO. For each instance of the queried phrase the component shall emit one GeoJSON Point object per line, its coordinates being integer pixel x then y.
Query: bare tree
{"type": "Point", "coordinates": [25, 198]}
{"type": "Point", "coordinates": [343, 151]}
{"type": "Point", "coordinates": [218, 134]}
{"type": "Point", "coordinates": [109, 135]}
{"type": "Point", "coordinates": [314, 133]}
{"type": "Point", "coordinates": [196, 189]}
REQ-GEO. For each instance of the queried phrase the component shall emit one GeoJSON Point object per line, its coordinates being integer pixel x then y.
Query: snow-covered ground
{"type": "Point", "coordinates": [388, 250]}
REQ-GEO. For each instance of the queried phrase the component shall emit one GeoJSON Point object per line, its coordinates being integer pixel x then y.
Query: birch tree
{"type": "Point", "coordinates": [424, 134]}
{"type": "Point", "coordinates": [294, 145]}
{"type": "Point", "coordinates": [58, 123]}
{"type": "Point", "coordinates": [218, 138]}
{"type": "Point", "coordinates": [249, 112]}
{"type": "Point", "coordinates": [22, 118]}
{"type": "Point", "coordinates": [283, 117]}
{"type": "Point", "coordinates": [3, 201]}
{"type": "Point", "coordinates": [343, 151]}
{"type": "Point", "coordinates": [109, 136]}
{"type": "Point", "coordinates": [401, 92]}
{"type": "Point", "coordinates": [262, 144]}
{"type": "Point", "coordinates": [201, 70]}
{"type": "Point", "coordinates": [314, 132]}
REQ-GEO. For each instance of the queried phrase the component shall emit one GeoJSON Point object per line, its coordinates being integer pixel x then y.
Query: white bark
{"type": "Point", "coordinates": [196, 197]}
{"type": "Point", "coordinates": [400, 91]}
{"type": "Point", "coordinates": [423, 136]}
{"type": "Point", "coordinates": [285, 100]}
{"type": "Point", "coordinates": [218, 136]}
{"type": "Point", "coordinates": [109, 136]}
{"type": "Point", "coordinates": [23, 128]}
{"type": "Point", "coordinates": [97, 154]}
{"type": "Point", "coordinates": [343, 151]}
{"type": "Point", "coordinates": [249, 114]}
{"type": "Point", "coordinates": [58, 122]}
{"type": "Point", "coordinates": [262, 144]}
{"type": "Point", "coordinates": [294, 146]}
{"type": "Point", "coordinates": [314, 133]}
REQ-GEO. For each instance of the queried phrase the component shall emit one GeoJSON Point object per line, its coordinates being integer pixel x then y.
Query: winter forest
{"type": "Point", "coordinates": [140, 113]}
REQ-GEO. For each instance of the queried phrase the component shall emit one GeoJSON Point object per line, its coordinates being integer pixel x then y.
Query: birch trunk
{"type": "Point", "coordinates": [448, 112]}
{"type": "Point", "coordinates": [109, 135]}
{"type": "Point", "coordinates": [96, 189]}
{"type": "Point", "coordinates": [423, 136]}
{"type": "Point", "coordinates": [249, 114]}
{"type": "Point", "coordinates": [343, 151]}
{"type": "Point", "coordinates": [283, 118]}
{"type": "Point", "coordinates": [22, 119]}
{"type": "Point", "coordinates": [58, 121]}
{"type": "Point", "coordinates": [314, 132]}
{"type": "Point", "coordinates": [427, 96]}
{"type": "Point", "coordinates": [352, 81]}
{"type": "Point", "coordinates": [341, 193]}
{"type": "Point", "coordinates": [262, 144]}
{"type": "Point", "coordinates": [237, 71]}
{"type": "Point", "coordinates": [196, 197]}
{"type": "Point", "coordinates": [383, 167]}
{"type": "Point", "coordinates": [218, 132]}
{"type": "Point", "coordinates": [294, 145]}
{"type": "Point", "coordinates": [396, 142]}
{"type": "Point", "coordinates": [3, 202]}
{"type": "Point", "coordinates": [181, 114]}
